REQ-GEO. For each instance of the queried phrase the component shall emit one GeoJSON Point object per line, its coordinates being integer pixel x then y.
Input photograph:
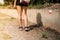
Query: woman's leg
{"type": "Point", "coordinates": [26, 28]}
{"type": "Point", "coordinates": [19, 10]}
{"type": "Point", "coordinates": [25, 16]}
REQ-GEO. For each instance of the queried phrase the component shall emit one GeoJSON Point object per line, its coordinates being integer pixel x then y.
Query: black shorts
{"type": "Point", "coordinates": [21, 4]}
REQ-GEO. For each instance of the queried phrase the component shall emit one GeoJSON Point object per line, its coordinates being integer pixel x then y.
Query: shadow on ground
{"type": "Point", "coordinates": [39, 23]}
{"type": "Point", "coordinates": [51, 33]}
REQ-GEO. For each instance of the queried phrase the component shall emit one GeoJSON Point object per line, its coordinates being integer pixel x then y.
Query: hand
{"type": "Point", "coordinates": [14, 6]}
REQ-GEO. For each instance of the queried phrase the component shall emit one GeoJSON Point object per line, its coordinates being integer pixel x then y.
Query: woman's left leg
{"type": "Point", "coordinates": [25, 16]}
{"type": "Point", "coordinates": [26, 28]}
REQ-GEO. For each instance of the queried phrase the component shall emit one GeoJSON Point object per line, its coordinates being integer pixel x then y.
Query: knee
{"type": "Point", "coordinates": [20, 17]}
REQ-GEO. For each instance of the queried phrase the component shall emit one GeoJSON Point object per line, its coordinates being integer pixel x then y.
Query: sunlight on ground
{"type": "Point", "coordinates": [3, 20]}
{"type": "Point", "coordinates": [4, 36]}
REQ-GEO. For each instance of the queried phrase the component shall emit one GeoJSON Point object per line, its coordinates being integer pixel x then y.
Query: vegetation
{"type": "Point", "coordinates": [35, 3]}
{"type": "Point", "coordinates": [7, 2]}
{"type": "Point", "coordinates": [42, 3]}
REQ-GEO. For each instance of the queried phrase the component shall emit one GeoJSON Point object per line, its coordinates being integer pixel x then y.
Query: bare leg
{"type": "Point", "coordinates": [25, 16]}
{"type": "Point", "coordinates": [26, 28]}
{"type": "Point", "coordinates": [19, 10]}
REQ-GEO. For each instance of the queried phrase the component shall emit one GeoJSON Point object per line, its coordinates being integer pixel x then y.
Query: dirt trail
{"type": "Point", "coordinates": [9, 31]}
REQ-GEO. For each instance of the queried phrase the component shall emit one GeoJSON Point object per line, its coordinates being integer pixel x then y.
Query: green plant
{"type": "Point", "coordinates": [1, 4]}
{"type": "Point", "coordinates": [36, 6]}
{"type": "Point", "coordinates": [7, 2]}
{"type": "Point", "coordinates": [44, 35]}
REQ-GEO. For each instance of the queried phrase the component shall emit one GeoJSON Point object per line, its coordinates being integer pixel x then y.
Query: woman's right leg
{"type": "Point", "coordinates": [19, 10]}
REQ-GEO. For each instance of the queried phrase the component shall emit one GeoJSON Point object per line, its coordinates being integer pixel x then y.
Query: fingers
{"type": "Point", "coordinates": [14, 6]}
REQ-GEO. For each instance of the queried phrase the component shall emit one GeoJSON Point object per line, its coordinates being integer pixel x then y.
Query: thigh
{"type": "Point", "coordinates": [25, 9]}
{"type": "Point", "coordinates": [19, 10]}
